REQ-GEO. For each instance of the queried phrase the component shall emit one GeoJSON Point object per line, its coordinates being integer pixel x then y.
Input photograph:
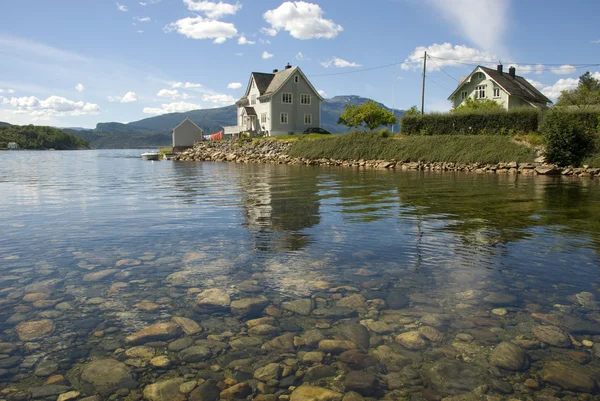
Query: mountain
{"type": "Point", "coordinates": [2, 124]}
{"type": "Point", "coordinates": [39, 137]}
{"type": "Point", "coordinates": [156, 131]}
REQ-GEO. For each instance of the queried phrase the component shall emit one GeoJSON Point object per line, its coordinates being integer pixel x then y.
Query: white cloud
{"type": "Point", "coordinates": [175, 107]}
{"type": "Point", "coordinates": [536, 84]}
{"type": "Point", "coordinates": [186, 85]}
{"type": "Point", "coordinates": [219, 98]}
{"type": "Point", "coordinates": [234, 85]}
{"type": "Point", "coordinates": [564, 69]}
{"type": "Point", "coordinates": [11, 91]}
{"type": "Point", "coordinates": [238, 54]}
{"type": "Point", "coordinates": [264, 41]}
{"type": "Point", "coordinates": [483, 23]}
{"type": "Point", "coordinates": [243, 41]}
{"type": "Point", "coordinates": [219, 40]}
{"type": "Point", "coordinates": [553, 92]}
{"type": "Point", "coordinates": [201, 28]}
{"type": "Point", "coordinates": [299, 56]}
{"type": "Point", "coordinates": [339, 63]}
{"type": "Point", "coordinates": [142, 19]}
{"type": "Point", "coordinates": [322, 93]}
{"type": "Point", "coordinates": [445, 55]}
{"type": "Point", "coordinates": [79, 88]}
{"type": "Point", "coordinates": [121, 7]}
{"type": "Point", "coordinates": [127, 98]}
{"type": "Point", "coordinates": [268, 31]}
{"type": "Point", "coordinates": [528, 69]}
{"type": "Point", "coordinates": [52, 106]}
{"type": "Point", "coordinates": [302, 20]}
{"type": "Point", "coordinates": [173, 94]}
{"type": "Point", "coordinates": [140, 31]}
{"type": "Point", "coordinates": [266, 55]}
{"type": "Point", "coordinates": [213, 10]}
{"type": "Point", "coordinates": [143, 4]}
{"type": "Point", "coordinates": [597, 41]}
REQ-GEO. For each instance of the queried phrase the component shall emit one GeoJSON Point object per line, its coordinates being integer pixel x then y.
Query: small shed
{"type": "Point", "coordinates": [12, 146]}
{"type": "Point", "coordinates": [185, 134]}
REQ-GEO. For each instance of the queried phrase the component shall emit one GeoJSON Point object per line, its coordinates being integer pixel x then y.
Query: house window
{"type": "Point", "coordinates": [307, 119]}
{"type": "Point", "coordinates": [286, 98]}
{"type": "Point", "coordinates": [284, 118]}
{"type": "Point", "coordinates": [464, 95]}
{"type": "Point", "coordinates": [496, 92]}
{"type": "Point", "coordinates": [480, 92]}
{"type": "Point", "coordinates": [253, 100]}
{"type": "Point", "coordinates": [263, 118]}
{"type": "Point", "coordinates": [305, 98]}
{"type": "Point", "coordinates": [296, 79]}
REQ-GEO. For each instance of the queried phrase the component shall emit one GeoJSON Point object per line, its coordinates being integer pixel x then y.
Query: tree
{"type": "Point", "coordinates": [585, 95]}
{"type": "Point", "coordinates": [369, 114]}
{"type": "Point", "coordinates": [471, 104]}
{"type": "Point", "coordinates": [413, 111]}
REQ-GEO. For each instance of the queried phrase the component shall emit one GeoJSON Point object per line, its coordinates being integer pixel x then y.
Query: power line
{"type": "Point", "coordinates": [354, 71]}
{"type": "Point", "coordinates": [463, 61]}
{"type": "Point", "coordinates": [441, 69]}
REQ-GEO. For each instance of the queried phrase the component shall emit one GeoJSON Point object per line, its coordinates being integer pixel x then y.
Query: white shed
{"type": "Point", "coordinates": [13, 146]}
{"type": "Point", "coordinates": [185, 134]}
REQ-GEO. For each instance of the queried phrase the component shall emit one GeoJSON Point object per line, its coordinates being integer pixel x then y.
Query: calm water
{"type": "Point", "coordinates": [97, 245]}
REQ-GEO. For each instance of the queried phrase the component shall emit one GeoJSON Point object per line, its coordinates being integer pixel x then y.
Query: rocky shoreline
{"type": "Point", "coordinates": [271, 151]}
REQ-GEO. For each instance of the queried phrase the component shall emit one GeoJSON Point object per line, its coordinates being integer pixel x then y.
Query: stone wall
{"type": "Point", "coordinates": [271, 151]}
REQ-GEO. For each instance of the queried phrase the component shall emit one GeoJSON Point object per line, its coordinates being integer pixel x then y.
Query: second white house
{"type": "Point", "coordinates": [278, 103]}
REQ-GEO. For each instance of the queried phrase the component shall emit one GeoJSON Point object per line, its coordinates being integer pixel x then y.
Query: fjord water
{"type": "Point", "coordinates": [463, 283]}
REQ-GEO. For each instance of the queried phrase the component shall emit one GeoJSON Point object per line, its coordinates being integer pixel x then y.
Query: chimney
{"type": "Point", "coordinates": [275, 70]}
{"type": "Point", "coordinates": [512, 71]}
{"type": "Point", "coordinates": [288, 66]}
{"type": "Point", "coordinates": [499, 68]}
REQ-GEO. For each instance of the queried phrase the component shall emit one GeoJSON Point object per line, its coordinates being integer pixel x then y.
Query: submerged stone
{"type": "Point", "coordinates": [552, 335]}
{"type": "Point", "coordinates": [412, 340]}
{"type": "Point", "coordinates": [155, 332]}
{"type": "Point", "coordinates": [313, 393]}
{"type": "Point", "coordinates": [188, 326]}
{"type": "Point", "coordinates": [357, 333]}
{"type": "Point", "coordinates": [249, 306]}
{"type": "Point", "coordinates": [106, 376]}
{"type": "Point", "coordinates": [510, 357]}
{"type": "Point", "coordinates": [567, 377]}
{"type": "Point", "coordinates": [166, 390]}
{"type": "Point", "coordinates": [213, 298]}
{"type": "Point", "coordinates": [34, 330]}
{"type": "Point", "coordinates": [300, 306]}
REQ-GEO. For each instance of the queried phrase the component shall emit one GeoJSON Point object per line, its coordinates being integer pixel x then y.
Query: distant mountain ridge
{"type": "Point", "coordinates": [156, 131]}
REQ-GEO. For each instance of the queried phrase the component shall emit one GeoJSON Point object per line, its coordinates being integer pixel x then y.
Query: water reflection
{"type": "Point", "coordinates": [421, 284]}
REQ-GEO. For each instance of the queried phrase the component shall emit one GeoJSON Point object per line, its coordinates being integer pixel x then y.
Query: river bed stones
{"type": "Point", "coordinates": [300, 306]}
{"type": "Point", "coordinates": [450, 377]}
{"type": "Point", "coordinates": [34, 330]}
{"type": "Point", "coordinates": [552, 335]}
{"type": "Point", "coordinates": [508, 356]}
{"type": "Point", "coordinates": [412, 340]}
{"type": "Point", "coordinates": [166, 390]}
{"type": "Point", "coordinates": [213, 298]}
{"type": "Point", "coordinates": [336, 346]}
{"type": "Point", "coordinates": [155, 332]}
{"type": "Point", "coordinates": [566, 377]}
{"type": "Point", "coordinates": [356, 333]}
{"type": "Point", "coordinates": [99, 275]}
{"type": "Point", "coordinates": [249, 306]}
{"type": "Point", "coordinates": [271, 371]}
{"type": "Point", "coordinates": [361, 382]}
{"type": "Point", "coordinates": [197, 353]}
{"type": "Point", "coordinates": [188, 326]}
{"type": "Point", "coordinates": [313, 393]}
{"type": "Point", "coordinates": [106, 376]}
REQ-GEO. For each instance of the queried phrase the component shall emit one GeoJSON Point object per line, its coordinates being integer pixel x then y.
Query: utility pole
{"type": "Point", "coordinates": [423, 86]}
{"type": "Point", "coordinates": [393, 94]}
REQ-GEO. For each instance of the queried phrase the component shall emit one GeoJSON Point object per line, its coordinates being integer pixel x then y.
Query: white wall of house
{"type": "Point", "coordinates": [186, 134]}
{"type": "Point", "coordinates": [480, 79]}
{"type": "Point", "coordinates": [262, 111]}
{"type": "Point", "coordinates": [296, 111]}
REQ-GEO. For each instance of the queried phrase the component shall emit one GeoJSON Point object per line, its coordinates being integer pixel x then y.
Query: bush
{"type": "Point", "coordinates": [472, 123]}
{"type": "Point", "coordinates": [384, 133]}
{"type": "Point", "coordinates": [3, 145]}
{"type": "Point", "coordinates": [569, 136]}
{"type": "Point", "coordinates": [584, 120]}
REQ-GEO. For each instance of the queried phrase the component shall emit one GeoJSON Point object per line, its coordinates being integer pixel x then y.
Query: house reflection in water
{"type": "Point", "coordinates": [280, 206]}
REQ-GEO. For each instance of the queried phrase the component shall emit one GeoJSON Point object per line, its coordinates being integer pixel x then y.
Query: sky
{"type": "Point", "coordinates": [75, 63]}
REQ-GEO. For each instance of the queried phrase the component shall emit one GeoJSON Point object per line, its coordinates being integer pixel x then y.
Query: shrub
{"type": "Point", "coordinates": [3, 145]}
{"type": "Point", "coordinates": [384, 133]}
{"type": "Point", "coordinates": [472, 123]}
{"type": "Point", "coordinates": [584, 120]}
{"type": "Point", "coordinates": [568, 139]}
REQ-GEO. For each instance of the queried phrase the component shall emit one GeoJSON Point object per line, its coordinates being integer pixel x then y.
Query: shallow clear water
{"type": "Point", "coordinates": [486, 257]}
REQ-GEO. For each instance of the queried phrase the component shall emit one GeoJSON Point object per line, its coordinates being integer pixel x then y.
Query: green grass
{"type": "Point", "coordinates": [167, 150]}
{"type": "Point", "coordinates": [442, 148]}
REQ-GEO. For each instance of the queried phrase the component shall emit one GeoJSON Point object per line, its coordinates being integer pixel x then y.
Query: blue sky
{"type": "Point", "coordinates": [80, 62]}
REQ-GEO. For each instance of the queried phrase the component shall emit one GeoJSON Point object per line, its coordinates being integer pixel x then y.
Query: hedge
{"type": "Point", "coordinates": [472, 123]}
{"type": "Point", "coordinates": [584, 120]}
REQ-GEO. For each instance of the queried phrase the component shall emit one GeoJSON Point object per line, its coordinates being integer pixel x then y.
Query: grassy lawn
{"type": "Point", "coordinates": [442, 148]}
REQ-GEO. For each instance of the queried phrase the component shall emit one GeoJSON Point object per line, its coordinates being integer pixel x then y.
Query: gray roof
{"type": "Point", "coordinates": [517, 86]}
{"type": "Point", "coordinates": [268, 84]}
{"type": "Point", "coordinates": [279, 78]}
{"type": "Point", "coordinates": [250, 111]}
{"type": "Point", "coordinates": [263, 80]}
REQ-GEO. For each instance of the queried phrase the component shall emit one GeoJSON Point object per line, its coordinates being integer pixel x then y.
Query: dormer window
{"type": "Point", "coordinates": [296, 79]}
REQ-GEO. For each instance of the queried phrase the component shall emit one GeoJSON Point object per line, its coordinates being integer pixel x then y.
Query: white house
{"type": "Point", "coordinates": [277, 104]}
{"type": "Point", "coordinates": [185, 134]}
{"type": "Point", "coordinates": [12, 146]}
{"type": "Point", "coordinates": [507, 89]}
